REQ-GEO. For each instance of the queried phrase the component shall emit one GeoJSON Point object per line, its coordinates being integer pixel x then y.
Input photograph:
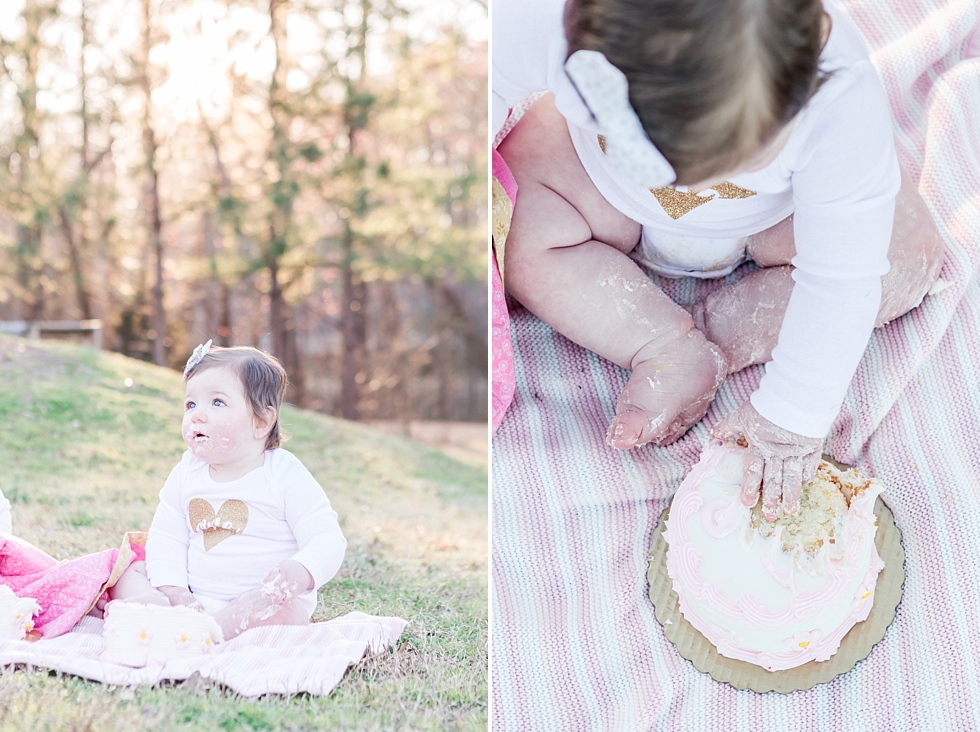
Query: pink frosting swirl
{"type": "Point", "coordinates": [720, 516]}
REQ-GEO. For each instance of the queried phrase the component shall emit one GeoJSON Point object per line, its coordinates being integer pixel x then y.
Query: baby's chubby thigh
{"type": "Point", "coordinates": [254, 608]}
{"type": "Point", "coordinates": [557, 203]}
{"type": "Point", "coordinates": [565, 240]}
{"type": "Point", "coordinates": [916, 254]}
{"type": "Point", "coordinates": [134, 586]}
{"type": "Point", "coordinates": [566, 261]}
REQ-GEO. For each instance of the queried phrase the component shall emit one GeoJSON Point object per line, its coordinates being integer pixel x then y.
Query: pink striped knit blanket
{"type": "Point", "coordinates": [575, 644]}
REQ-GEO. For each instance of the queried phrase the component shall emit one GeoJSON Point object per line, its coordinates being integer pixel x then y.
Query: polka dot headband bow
{"type": "Point", "coordinates": [199, 353]}
{"type": "Point", "coordinates": [605, 91]}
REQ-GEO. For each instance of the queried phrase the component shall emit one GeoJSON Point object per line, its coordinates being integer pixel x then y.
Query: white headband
{"type": "Point", "coordinates": [605, 91]}
{"type": "Point", "coordinates": [199, 353]}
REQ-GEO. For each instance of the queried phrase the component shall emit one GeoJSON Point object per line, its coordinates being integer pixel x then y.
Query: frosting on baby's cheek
{"type": "Point", "coordinates": [219, 438]}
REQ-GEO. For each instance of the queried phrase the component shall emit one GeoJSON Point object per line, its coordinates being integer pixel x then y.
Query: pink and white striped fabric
{"type": "Point", "coordinates": [576, 645]}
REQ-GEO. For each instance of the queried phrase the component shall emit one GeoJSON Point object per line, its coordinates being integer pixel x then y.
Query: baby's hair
{"type": "Point", "coordinates": [712, 81]}
{"type": "Point", "coordinates": [261, 374]}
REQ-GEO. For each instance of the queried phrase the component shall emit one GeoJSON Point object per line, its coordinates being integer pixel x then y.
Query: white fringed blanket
{"type": "Point", "coordinates": [270, 660]}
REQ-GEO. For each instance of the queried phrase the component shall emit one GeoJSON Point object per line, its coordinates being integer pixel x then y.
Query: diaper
{"type": "Point", "coordinates": [682, 255]}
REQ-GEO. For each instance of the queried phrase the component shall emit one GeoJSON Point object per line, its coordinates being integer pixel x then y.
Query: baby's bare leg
{"type": "Point", "coordinates": [566, 262]}
{"type": "Point", "coordinates": [254, 608]}
{"type": "Point", "coordinates": [134, 586]}
{"type": "Point", "coordinates": [744, 318]}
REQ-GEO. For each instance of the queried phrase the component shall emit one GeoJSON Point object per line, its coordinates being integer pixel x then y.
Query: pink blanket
{"type": "Point", "coordinates": [65, 591]}
{"type": "Point", "coordinates": [576, 645]}
{"type": "Point", "coordinates": [502, 380]}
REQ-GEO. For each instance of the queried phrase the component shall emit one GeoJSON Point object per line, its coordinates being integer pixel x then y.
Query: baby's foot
{"type": "Point", "coordinates": [667, 392]}
{"type": "Point", "coordinates": [744, 319]}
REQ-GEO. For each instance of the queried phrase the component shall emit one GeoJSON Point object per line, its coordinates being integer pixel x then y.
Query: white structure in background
{"type": "Point", "coordinates": [37, 328]}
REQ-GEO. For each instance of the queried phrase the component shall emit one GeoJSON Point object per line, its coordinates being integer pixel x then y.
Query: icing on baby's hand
{"type": "Point", "coordinates": [777, 462]}
{"type": "Point", "coordinates": [181, 596]}
{"type": "Point", "coordinates": [285, 581]}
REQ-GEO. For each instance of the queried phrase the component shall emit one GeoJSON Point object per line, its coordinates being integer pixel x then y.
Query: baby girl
{"type": "Point", "coordinates": [243, 531]}
{"type": "Point", "coordinates": [692, 136]}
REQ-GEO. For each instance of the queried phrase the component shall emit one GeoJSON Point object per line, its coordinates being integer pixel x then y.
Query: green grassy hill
{"type": "Point", "coordinates": [88, 439]}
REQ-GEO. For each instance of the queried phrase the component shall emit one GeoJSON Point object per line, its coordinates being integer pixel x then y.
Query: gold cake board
{"type": "Point", "coordinates": [855, 646]}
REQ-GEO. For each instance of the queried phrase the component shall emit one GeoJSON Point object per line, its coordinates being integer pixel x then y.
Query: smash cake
{"type": "Point", "coordinates": [136, 633]}
{"type": "Point", "coordinates": [776, 594]}
{"type": "Point", "coordinates": [16, 614]}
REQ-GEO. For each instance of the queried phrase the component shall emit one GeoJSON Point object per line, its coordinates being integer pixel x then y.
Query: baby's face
{"type": "Point", "coordinates": [218, 425]}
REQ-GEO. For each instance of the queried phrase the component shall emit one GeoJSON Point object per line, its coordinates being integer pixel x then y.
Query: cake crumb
{"type": "Point", "coordinates": [824, 501]}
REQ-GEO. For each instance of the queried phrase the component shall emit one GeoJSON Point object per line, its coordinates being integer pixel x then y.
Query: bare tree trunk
{"type": "Point", "coordinates": [76, 247]}
{"type": "Point", "coordinates": [28, 249]}
{"type": "Point", "coordinates": [283, 331]}
{"type": "Point", "coordinates": [224, 324]}
{"type": "Point", "coordinates": [391, 331]}
{"type": "Point", "coordinates": [156, 242]}
{"type": "Point", "coordinates": [83, 83]}
{"type": "Point", "coordinates": [280, 217]}
{"type": "Point", "coordinates": [224, 192]}
{"type": "Point", "coordinates": [28, 235]}
{"type": "Point", "coordinates": [444, 370]}
{"type": "Point", "coordinates": [152, 199]}
{"type": "Point", "coordinates": [354, 297]}
{"type": "Point", "coordinates": [297, 392]}
{"type": "Point", "coordinates": [75, 257]}
{"type": "Point", "coordinates": [276, 305]}
{"type": "Point", "coordinates": [74, 203]}
{"type": "Point", "coordinates": [210, 292]}
{"type": "Point", "coordinates": [354, 328]}
{"type": "Point", "coordinates": [475, 335]}
{"type": "Point", "coordinates": [277, 233]}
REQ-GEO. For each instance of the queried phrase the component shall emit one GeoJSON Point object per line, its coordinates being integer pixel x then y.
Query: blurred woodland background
{"type": "Point", "coordinates": [305, 176]}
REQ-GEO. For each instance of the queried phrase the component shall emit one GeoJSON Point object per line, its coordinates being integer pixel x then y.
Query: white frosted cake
{"type": "Point", "coordinates": [136, 634]}
{"type": "Point", "coordinates": [16, 614]}
{"type": "Point", "coordinates": [776, 594]}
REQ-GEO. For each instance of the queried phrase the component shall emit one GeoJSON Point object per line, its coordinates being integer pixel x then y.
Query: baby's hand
{"type": "Point", "coordinates": [181, 596]}
{"type": "Point", "coordinates": [780, 460]}
{"type": "Point", "coordinates": [286, 580]}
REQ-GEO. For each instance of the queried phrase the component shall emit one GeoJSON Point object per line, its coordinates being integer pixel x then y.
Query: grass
{"type": "Point", "coordinates": [88, 440]}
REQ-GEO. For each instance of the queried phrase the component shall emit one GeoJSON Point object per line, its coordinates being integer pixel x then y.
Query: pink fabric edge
{"type": "Point", "coordinates": [503, 380]}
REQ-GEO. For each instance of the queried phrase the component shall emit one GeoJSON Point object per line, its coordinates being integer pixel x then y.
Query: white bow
{"type": "Point", "coordinates": [199, 353]}
{"type": "Point", "coordinates": [605, 91]}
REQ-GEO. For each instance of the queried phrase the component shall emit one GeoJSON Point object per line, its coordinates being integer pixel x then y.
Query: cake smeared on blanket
{"type": "Point", "coordinates": [776, 594]}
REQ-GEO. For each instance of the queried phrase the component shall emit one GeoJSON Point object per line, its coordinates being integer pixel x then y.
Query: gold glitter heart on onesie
{"type": "Point", "coordinates": [677, 203]}
{"type": "Point", "coordinates": [231, 519]}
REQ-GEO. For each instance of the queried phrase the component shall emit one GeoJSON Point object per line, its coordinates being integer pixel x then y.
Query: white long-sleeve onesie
{"type": "Point", "coordinates": [220, 539]}
{"type": "Point", "coordinates": [838, 173]}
